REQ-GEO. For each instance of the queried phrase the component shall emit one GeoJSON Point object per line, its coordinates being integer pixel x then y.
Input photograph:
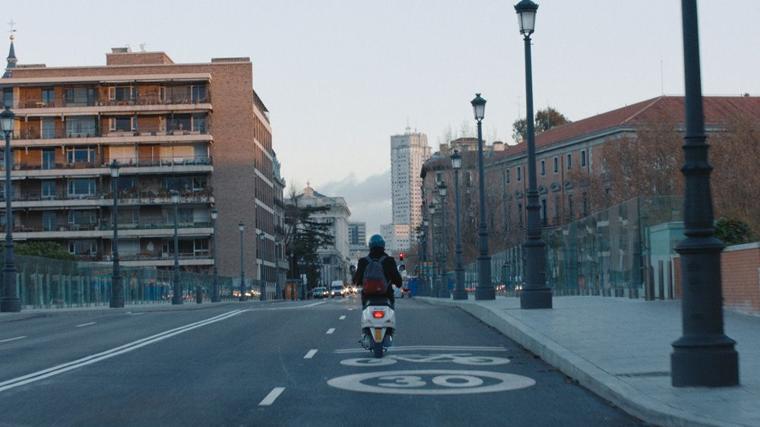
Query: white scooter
{"type": "Point", "coordinates": [378, 324]}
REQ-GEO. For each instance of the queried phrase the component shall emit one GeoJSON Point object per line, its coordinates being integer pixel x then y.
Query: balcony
{"type": "Point", "coordinates": [33, 136]}
{"type": "Point", "coordinates": [95, 104]}
{"type": "Point", "coordinates": [132, 165]}
{"type": "Point", "coordinates": [35, 199]}
{"type": "Point", "coordinates": [105, 231]}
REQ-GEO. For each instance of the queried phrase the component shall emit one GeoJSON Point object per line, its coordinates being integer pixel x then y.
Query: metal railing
{"type": "Point", "coordinates": [607, 253]}
{"type": "Point", "coordinates": [52, 283]}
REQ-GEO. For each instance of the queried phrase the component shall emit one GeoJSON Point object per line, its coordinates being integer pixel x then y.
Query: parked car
{"type": "Point", "coordinates": [319, 292]}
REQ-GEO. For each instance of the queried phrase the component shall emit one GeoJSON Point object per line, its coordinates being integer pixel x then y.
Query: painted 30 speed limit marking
{"type": "Point", "coordinates": [431, 382]}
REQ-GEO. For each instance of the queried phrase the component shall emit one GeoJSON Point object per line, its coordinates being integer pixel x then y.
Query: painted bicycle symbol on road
{"type": "Point", "coordinates": [431, 382]}
{"type": "Point", "coordinates": [457, 358]}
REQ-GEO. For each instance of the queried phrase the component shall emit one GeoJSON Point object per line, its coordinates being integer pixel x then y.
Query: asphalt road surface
{"type": "Point", "coordinates": [291, 364]}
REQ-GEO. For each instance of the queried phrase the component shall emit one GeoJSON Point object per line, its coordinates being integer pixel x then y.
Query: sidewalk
{"type": "Point", "coordinates": [620, 349]}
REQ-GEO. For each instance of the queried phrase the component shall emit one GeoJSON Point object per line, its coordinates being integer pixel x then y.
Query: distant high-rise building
{"type": "Point", "coordinates": [357, 240]}
{"type": "Point", "coordinates": [357, 234]}
{"type": "Point", "coordinates": [408, 152]}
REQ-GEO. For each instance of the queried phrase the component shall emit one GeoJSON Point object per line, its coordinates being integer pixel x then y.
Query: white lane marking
{"type": "Point", "coordinates": [459, 359]}
{"type": "Point", "coordinates": [294, 307]}
{"type": "Point", "coordinates": [342, 317]}
{"type": "Point", "coordinates": [330, 331]}
{"type": "Point", "coordinates": [426, 347]}
{"type": "Point", "coordinates": [126, 348]}
{"type": "Point", "coordinates": [86, 324]}
{"type": "Point", "coordinates": [352, 308]}
{"type": "Point", "coordinates": [431, 382]}
{"type": "Point", "coordinates": [13, 339]}
{"type": "Point", "coordinates": [135, 314]}
{"type": "Point", "coordinates": [272, 396]}
{"type": "Point", "coordinates": [310, 353]}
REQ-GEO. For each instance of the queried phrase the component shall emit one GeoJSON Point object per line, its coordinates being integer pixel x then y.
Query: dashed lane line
{"type": "Point", "coordinates": [310, 353]}
{"type": "Point", "coordinates": [86, 324]}
{"type": "Point", "coordinates": [13, 339]}
{"type": "Point", "coordinates": [272, 396]}
{"type": "Point", "coordinates": [342, 317]}
{"type": "Point", "coordinates": [330, 331]}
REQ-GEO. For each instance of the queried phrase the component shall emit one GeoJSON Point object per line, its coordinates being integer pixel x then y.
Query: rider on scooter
{"type": "Point", "coordinates": [392, 276]}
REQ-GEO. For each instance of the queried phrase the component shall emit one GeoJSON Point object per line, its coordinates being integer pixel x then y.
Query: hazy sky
{"type": "Point", "coordinates": [340, 76]}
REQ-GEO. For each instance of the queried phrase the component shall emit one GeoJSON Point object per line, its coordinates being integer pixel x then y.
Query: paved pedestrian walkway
{"type": "Point", "coordinates": [620, 349]}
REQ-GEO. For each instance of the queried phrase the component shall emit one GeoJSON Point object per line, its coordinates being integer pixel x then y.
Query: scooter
{"type": "Point", "coordinates": [378, 325]}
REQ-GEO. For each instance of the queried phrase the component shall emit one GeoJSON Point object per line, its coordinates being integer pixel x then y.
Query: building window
{"type": "Point", "coordinates": [519, 173]}
{"type": "Point", "coordinates": [121, 93]}
{"type": "Point", "coordinates": [543, 167]}
{"type": "Point", "coordinates": [556, 164]}
{"type": "Point", "coordinates": [585, 204]}
{"type": "Point", "coordinates": [83, 247]}
{"type": "Point", "coordinates": [180, 123]}
{"type": "Point", "coordinates": [78, 127]}
{"type": "Point", "coordinates": [199, 93]}
{"type": "Point", "coordinates": [199, 123]}
{"type": "Point", "coordinates": [82, 218]}
{"type": "Point", "coordinates": [583, 158]}
{"type": "Point", "coordinates": [80, 155]}
{"type": "Point", "coordinates": [520, 213]}
{"type": "Point", "coordinates": [49, 221]}
{"type": "Point", "coordinates": [48, 158]}
{"type": "Point", "coordinates": [569, 161]}
{"type": "Point", "coordinates": [48, 189]}
{"type": "Point", "coordinates": [79, 96]}
{"type": "Point", "coordinates": [122, 124]}
{"type": "Point", "coordinates": [508, 174]}
{"type": "Point", "coordinates": [570, 210]}
{"type": "Point", "coordinates": [8, 97]}
{"type": "Point", "coordinates": [48, 128]}
{"type": "Point", "coordinates": [48, 96]}
{"type": "Point", "coordinates": [81, 187]}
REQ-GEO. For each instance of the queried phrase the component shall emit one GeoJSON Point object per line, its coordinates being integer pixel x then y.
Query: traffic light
{"type": "Point", "coordinates": [401, 256]}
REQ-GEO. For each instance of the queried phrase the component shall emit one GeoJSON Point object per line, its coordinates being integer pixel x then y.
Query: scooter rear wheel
{"type": "Point", "coordinates": [377, 349]}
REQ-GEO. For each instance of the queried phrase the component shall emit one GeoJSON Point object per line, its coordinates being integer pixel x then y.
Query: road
{"type": "Point", "coordinates": [292, 363]}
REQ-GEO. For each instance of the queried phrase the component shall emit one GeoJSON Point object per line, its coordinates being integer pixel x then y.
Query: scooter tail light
{"type": "Point", "coordinates": [378, 314]}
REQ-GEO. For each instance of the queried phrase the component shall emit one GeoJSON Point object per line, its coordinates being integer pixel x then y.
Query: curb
{"type": "Point", "coordinates": [586, 373]}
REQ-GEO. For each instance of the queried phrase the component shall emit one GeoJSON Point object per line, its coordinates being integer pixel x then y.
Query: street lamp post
{"type": "Point", "coordinates": [535, 293]}
{"type": "Point", "coordinates": [10, 302]}
{"type": "Point", "coordinates": [241, 228]}
{"type": "Point", "coordinates": [117, 288]}
{"type": "Point", "coordinates": [434, 253]}
{"type": "Point", "coordinates": [215, 281]}
{"type": "Point", "coordinates": [262, 288]}
{"type": "Point", "coordinates": [485, 290]}
{"type": "Point", "coordinates": [459, 292]}
{"type": "Point", "coordinates": [177, 298]}
{"type": "Point", "coordinates": [704, 356]}
{"type": "Point", "coordinates": [443, 291]}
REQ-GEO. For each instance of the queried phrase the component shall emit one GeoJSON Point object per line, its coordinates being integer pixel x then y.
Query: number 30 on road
{"type": "Point", "coordinates": [431, 382]}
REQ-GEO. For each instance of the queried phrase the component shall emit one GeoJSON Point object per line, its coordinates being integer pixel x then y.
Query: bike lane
{"type": "Point", "coordinates": [445, 368]}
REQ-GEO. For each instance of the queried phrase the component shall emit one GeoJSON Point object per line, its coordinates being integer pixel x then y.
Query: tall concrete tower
{"type": "Point", "coordinates": [408, 152]}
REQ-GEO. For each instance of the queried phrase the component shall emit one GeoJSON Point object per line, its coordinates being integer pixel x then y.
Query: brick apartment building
{"type": "Point", "coordinates": [563, 154]}
{"type": "Point", "coordinates": [199, 129]}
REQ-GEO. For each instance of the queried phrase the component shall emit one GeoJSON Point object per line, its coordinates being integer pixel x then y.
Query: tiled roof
{"type": "Point", "coordinates": [717, 110]}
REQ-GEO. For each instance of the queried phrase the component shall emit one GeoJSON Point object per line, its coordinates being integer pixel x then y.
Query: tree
{"type": "Point", "coordinates": [544, 120]}
{"type": "Point", "coordinates": [732, 231]}
{"type": "Point", "coordinates": [43, 249]}
{"type": "Point", "coordinates": [304, 236]}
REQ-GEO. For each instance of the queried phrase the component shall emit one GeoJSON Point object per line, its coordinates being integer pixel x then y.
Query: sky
{"type": "Point", "coordinates": [341, 76]}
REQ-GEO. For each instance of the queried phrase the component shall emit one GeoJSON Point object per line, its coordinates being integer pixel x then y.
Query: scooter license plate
{"type": "Point", "coordinates": [378, 334]}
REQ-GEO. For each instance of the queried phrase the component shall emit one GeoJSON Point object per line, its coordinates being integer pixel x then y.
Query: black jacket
{"type": "Point", "coordinates": [389, 268]}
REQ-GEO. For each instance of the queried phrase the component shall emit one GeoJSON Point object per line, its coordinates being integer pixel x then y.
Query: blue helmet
{"type": "Point", "coordinates": [376, 241]}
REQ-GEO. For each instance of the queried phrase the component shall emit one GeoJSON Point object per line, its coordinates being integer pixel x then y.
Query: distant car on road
{"type": "Point", "coordinates": [337, 289]}
{"type": "Point", "coordinates": [319, 292]}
